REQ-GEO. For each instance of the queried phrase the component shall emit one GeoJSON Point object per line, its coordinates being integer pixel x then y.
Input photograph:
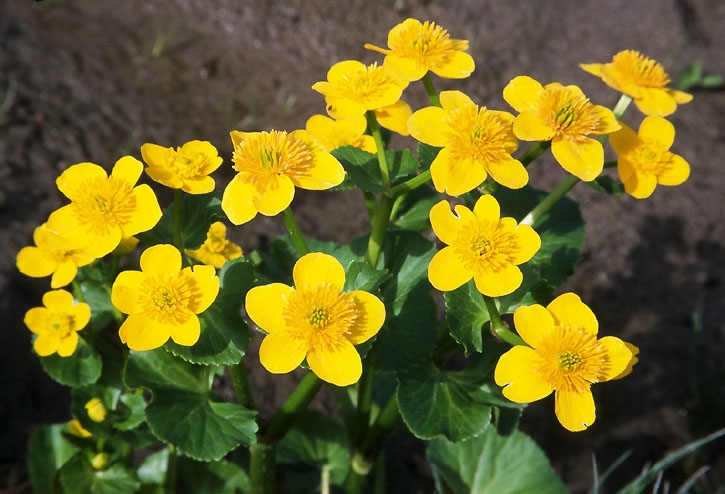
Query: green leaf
{"type": "Point", "coordinates": [153, 468]}
{"type": "Point", "coordinates": [278, 263]}
{"type": "Point", "coordinates": [318, 441]}
{"type": "Point", "coordinates": [198, 212]}
{"type": "Point", "coordinates": [606, 184]}
{"type": "Point", "coordinates": [402, 164]}
{"type": "Point", "coordinates": [493, 464]}
{"type": "Point", "coordinates": [359, 275]}
{"type": "Point", "coordinates": [219, 477]}
{"type": "Point", "coordinates": [433, 403]}
{"type": "Point", "coordinates": [131, 412]}
{"type": "Point", "coordinates": [363, 169]}
{"type": "Point", "coordinates": [414, 210]}
{"type": "Point", "coordinates": [224, 332]}
{"type": "Point", "coordinates": [79, 369]}
{"type": "Point", "coordinates": [426, 155]}
{"type": "Point", "coordinates": [48, 451]}
{"type": "Point", "coordinates": [183, 411]}
{"type": "Point", "coordinates": [78, 476]}
{"type": "Point", "coordinates": [410, 331]}
{"type": "Point", "coordinates": [98, 296]}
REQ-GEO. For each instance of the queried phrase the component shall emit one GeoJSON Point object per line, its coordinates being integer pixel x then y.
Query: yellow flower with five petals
{"type": "Point", "coordinates": [476, 142]}
{"type": "Point", "coordinates": [104, 209]}
{"type": "Point", "coordinates": [269, 166]}
{"type": "Point", "coordinates": [645, 159]}
{"type": "Point", "coordinates": [641, 78]}
{"type": "Point", "coordinates": [186, 168]}
{"type": "Point", "coordinates": [216, 249]}
{"type": "Point", "coordinates": [162, 300]}
{"type": "Point", "coordinates": [564, 356]}
{"type": "Point", "coordinates": [416, 48]}
{"type": "Point", "coordinates": [57, 323]}
{"type": "Point", "coordinates": [315, 320]}
{"type": "Point", "coordinates": [564, 116]}
{"type": "Point", "coordinates": [480, 245]}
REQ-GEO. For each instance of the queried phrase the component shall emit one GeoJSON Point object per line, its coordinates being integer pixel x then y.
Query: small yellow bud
{"type": "Point", "coordinates": [96, 410]}
{"type": "Point", "coordinates": [101, 461]}
{"type": "Point", "coordinates": [75, 428]}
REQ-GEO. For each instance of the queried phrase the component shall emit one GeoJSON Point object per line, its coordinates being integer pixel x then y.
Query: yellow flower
{"type": "Point", "coordinates": [333, 134]}
{"type": "Point", "coordinates": [643, 79]}
{"type": "Point", "coordinates": [186, 168]}
{"type": "Point", "coordinates": [645, 159]}
{"type": "Point", "coordinates": [75, 428]}
{"type": "Point", "coordinates": [476, 142]}
{"type": "Point", "coordinates": [96, 410]}
{"type": "Point", "coordinates": [270, 165]}
{"type": "Point", "coordinates": [564, 356]}
{"type": "Point", "coordinates": [216, 249]}
{"type": "Point", "coordinates": [162, 299]}
{"type": "Point", "coordinates": [352, 89]}
{"type": "Point", "coordinates": [565, 116]}
{"type": "Point", "coordinates": [57, 323]}
{"type": "Point", "coordinates": [395, 117]}
{"type": "Point", "coordinates": [126, 246]}
{"type": "Point", "coordinates": [315, 320]}
{"type": "Point", "coordinates": [54, 255]}
{"type": "Point", "coordinates": [103, 209]}
{"type": "Point", "coordinates": [416, 48]}
{"type": "Point", "coordinates": [480, 245]}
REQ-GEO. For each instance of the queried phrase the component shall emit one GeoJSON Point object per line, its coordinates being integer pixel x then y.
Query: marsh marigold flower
{"type": "Point", "coordinates": [75, 428]}
{"type": "Point", "coordinates": [53, 255]}
{"type": "Point", "coordinates": [162, 300]}
{"type": "Point", "coordinates": [96, 410]}
{"type": "Point", "coordinates": [186, 167]}
{"type": "Point", "coordinates": [270, 165]}
{"type": "Point", "coordinates": [564, 356]}
{"type": "Point", "coordinates": [641, 78]}
{"type": "Point", "coordinates": [57, 323]}
{"type": "Point", "coordinates": [333, 134]}
{"type": "Point", "coordinates": [645, 159]}
{"type": "Point", "coordinates": [476, 142]}
{"type": "Point", "coordinates": [353, 88]}
{"type": "Point", "coordinates": [315, 320]}
{"type": "Point", "coordinates": [103, 209]}
{"type": "Point", "coordinates": [416, 48]}
{"type": "Point", "coordinates": [480, 245]}
{"type": "Point", "coordinates": [563, 115]}
{"type": "Point", "coordinates": [216, 249]}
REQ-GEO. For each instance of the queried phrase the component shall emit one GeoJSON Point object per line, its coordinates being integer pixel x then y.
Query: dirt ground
{"type": "Point", "coordinates": [92, 81]}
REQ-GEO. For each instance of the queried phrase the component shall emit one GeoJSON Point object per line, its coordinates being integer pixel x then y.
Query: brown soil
{"type": "Point", "coordinates": [92, 81]}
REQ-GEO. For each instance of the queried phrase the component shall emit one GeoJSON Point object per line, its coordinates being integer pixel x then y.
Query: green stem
{"type": "Point", "coordinates": [364, 398]}
{"type": "Point", "coordinates": [497, 325]}
{"type": "Point", "coordinates": [77, 292]}
{"type": "Point", "coordinates": [534, 152]}
{"type": "Point", "coordinates": [261, 468]}
{"type": "Point", "coordinates": [547, 202]}
{"type": "Point", "coordinates": [297, 401]}
{"type": "Point", "coordinates": [431, 90]}
{"type": "Point", "coordinates": [380, 227]}
{"type": "Point", "coordinates": [380, 146]}
{"type": "Point", "coordinates": [371, 204]}
{"type": "Point", "coordinates": [294, 231]}
{"type": "Point", "coordinates": [411, 184]}
{"type": "Point", "coordinates": [177, 220]}
{"type": "Point", "coordinates": [621, 106]}
{"type": "Point", "coordinates": [384, 423]}
{"type": "Point", "coordinates": [170, 479]}
{"type": "Point", "coordinates": [240, 383]}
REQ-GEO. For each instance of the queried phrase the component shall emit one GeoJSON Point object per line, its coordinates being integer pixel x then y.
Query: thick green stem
{"type": "Point", "coordinates": [621, 106]}
{"type": "Point", "coordinates": [240, 383]}
{"type": "Point", "coordinates": [261, 468]}
{"type": "Point", "coordinates": [552, 198]}
{"type": "Point", "coordinates": [497, 325]}
{"type": "Point", "coordinates": [431, 90]}
{"type": "Point", "coordinates": [534, 152]}
{"type": "Point", "coordinates": [384, 423]}
{"type": "Point", "coordinates": [380, 227]}
{"type": "Point", "coordinates": [296, 403]}
{"type": "Point", "coordinates": [382, 160]}
{"type": "Point", "coordinates": [177, 220]}
{"type": "Point", "coordinates": [364, 398]}
{"type": "Point", "coordinates": [294, 231]}
{"type": "Point", "coordinates": [170, 479]}
{"type": "Point", "coordinates": [411, 184]}
{"type": "Point", "coordinates": [371, 204]}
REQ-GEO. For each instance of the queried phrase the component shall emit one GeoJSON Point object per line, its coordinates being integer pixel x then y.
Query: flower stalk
{"type": "Point", "coordinates": [294, 231]}
{"type": "Point", "coordinates": [430, 90]}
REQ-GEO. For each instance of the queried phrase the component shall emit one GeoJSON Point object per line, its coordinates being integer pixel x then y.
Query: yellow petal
{"type": "Point", "coordinates": [162, 259]}
{"type": "Point", "coordinates": [81, 315]}
{"type": "Point", "coordinates": [655, 101]}
{"type": "Point", "coordinates": [608, 123]}
{"type": "Point", "coordinates": [315, 269]}
{"type": "Point", "coordinates": [34, 262]}
{"type": "Point", "coordinates": [343, 108]}
{"type": "Point", "coordinates": [276, 198]}
{"type": "Point", "coordinates": [127, 170]}
{"type": "Point", "coordinates": [187, 332]}
{"type": "Point", "coordinates": [69, 182]}
{"type": "Point", "coordinates": [201, 185]}
{"type": "Point", "coordinates": [509, 172]}
{"type": "Point", "coordinates": [125, 292]}
{"type": "Point", "coordinates": [211, 159]}
{"type": "Point", "coordinates": [237, 201]}
{"type": "Point", "coordinates": [325, 172]}
{"type": "Point", "coordinates": [529, 127]}
{"type": "Point", "coordinates": [403, 68]}
{"type": "Point", "coordinates": [46, 344]}
{"type": "Point", "coordinates": [458, 65]}
{"type": "Point", "coordinates": [498, 283]}
{"type": "Point", "coordinates": [335, 362]}
{"type": "Point", "coordinates": [452, 100]}
{"type": "Point", "coordinates": [574, 410]}
{"type": "Point", "coordinates": [283, 351]}
{"type": "Point", "coordinates": [395, 117]}
{"type": "Point", "coordinates": [676, 173]}
{"type": "Point", "coordinates": [640, 185]}
{"type": "Point", "coordinates": [659, 130]}
{"type": "Point", "coordinates": [632, 361]}
{"type": "Point", "coordinates": [67, 345]}
{"type": "Point", "coordinates": [266, 304]}
{"type": "Point", "coordinates": [207, 284]}
{"type": "Point", "coordinates": [58, 300]}
{"type": "Point", "coordinates": [528, 242]}
{"type": "Point", "coordinates": [534, 324]}
{"type": "Point", "coordinates": [340, 70]}
{"type": "Point", "coordinates": [618, 357]}
{"type": "Point", "coordinates": [35, 319]}
{"type": "Point", "coordinates": [521, 381]}
{"type": "Point", "coordinates": [487, 209]}
{"type": "Point", "coordinates": [592, 68]}
{"type": "Point", "coordinates": [625, 170]}
{"type": "Point", "coordinates": [623, 140]}
{"type": "Point", "coordinates": [445, 224]}
{"type": "Point", "coordinates": [64, 274]}
{"type": "Point", "coordinates": [429, 125]}
{"type": "Point", "coordinates": [164, 176]}
{"type": "Point", "coordinates": [146, 215]}
{"type": "Point", "coordinates": [371, 316]}
{"type": "Point", "coordinates": [568, 309]}
{"type": "Point", "coordinates": [455, 176]}
{"type": "Point", "coordinates": [522, 93]}
{"type": "Point", "coordinates": [446, 272]}
{"type": "Point", "coordinates": [142, 333]}
{"type": "Point", "coordinates": [680, 97]}
{"type": "Point", "coordinates": [583, 157]}
{"type": "Point", "coordinates": [155, 155]}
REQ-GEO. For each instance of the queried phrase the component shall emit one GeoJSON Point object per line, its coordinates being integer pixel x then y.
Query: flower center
{"type": "Point", "coordinates": [479, 134]}
{"type": "Point", "coordinates": [321, 314]}
{"type": "Point", "coordinates": [105, 202]}
{"type": "Point", "coordinates": [264, 156]}
{"type": "Point", "coordinates": [369, 83]}
{"type": "Point", "coordinates": [165, 298]}
{"type": "Point", "coordinates": [645, 71]}
{"type": "Point", "coordinates": [568, 111]}
{"type": "Point", "coordinates": [61, 323]}
{"type": "Point", "coordinates": [569, 361]}
{"type": "Point", "coordinates": [650, 157]}
{"type": "Point", "coordinates": [481, 247]}
{"type": "Point", "coordinates": [318, 317]}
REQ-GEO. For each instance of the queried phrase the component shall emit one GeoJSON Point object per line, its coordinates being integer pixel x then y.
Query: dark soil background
{"type": "Point", "coordinates": [92, 81]}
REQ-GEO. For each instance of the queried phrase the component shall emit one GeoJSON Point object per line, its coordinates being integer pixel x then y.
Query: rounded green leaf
{"type": "Point", "coordinates": [82, 368]}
